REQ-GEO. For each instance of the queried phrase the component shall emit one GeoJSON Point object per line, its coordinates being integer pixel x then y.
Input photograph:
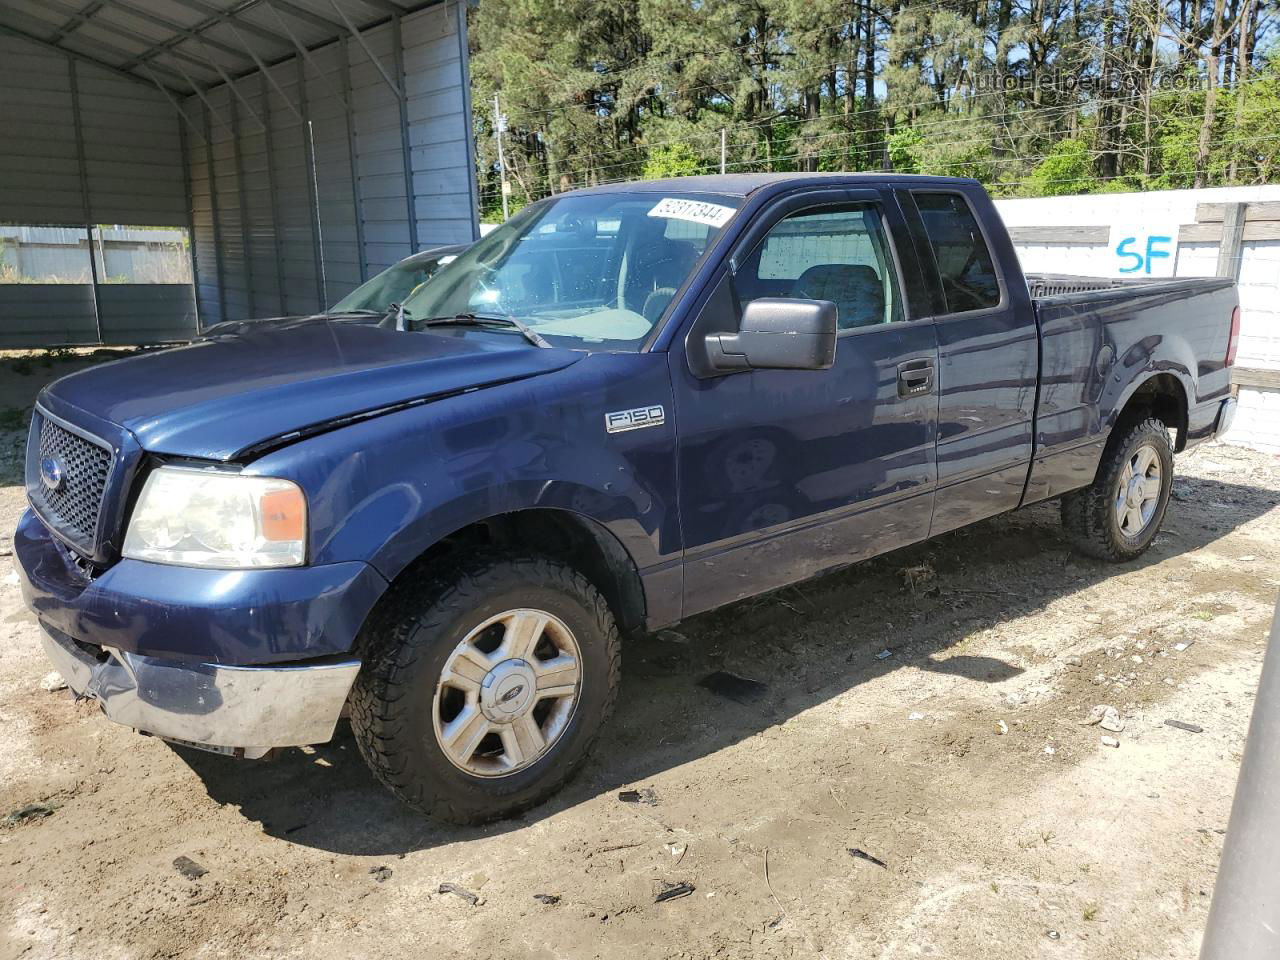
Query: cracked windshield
{"type": "Point", "coordinates": [593, 272]}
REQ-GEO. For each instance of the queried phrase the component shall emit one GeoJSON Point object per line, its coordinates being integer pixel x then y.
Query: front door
{"type": "Point", "coordinates": [988, 359]}
{"type": "Point", "coordinates": [786, 473]}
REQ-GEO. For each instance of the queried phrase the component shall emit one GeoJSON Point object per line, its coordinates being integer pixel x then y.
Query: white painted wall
{"type": "Point", "coordinates": [1257, 422]}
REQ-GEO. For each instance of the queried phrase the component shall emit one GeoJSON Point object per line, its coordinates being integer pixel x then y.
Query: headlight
{"type": "Point", "coordinates": [204, 518]}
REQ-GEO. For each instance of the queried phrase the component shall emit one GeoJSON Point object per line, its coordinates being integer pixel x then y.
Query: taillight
{"type": "Point", "coordinates": [1233, 341]}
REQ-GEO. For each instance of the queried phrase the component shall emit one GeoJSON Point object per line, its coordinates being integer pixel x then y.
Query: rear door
{"type": "Point", "coordinates": [786, 473]}
{"type": "Point", "coordinates": [988, 355]}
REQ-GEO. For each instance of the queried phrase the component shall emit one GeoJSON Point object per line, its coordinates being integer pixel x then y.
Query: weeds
{"type": "Point", "coordinates": [26, 363]}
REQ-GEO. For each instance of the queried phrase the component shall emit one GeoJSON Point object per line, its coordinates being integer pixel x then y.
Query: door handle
{"type": "Point", "coordinates": [915, 377]}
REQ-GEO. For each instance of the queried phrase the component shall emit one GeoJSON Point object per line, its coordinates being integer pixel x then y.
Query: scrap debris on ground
{"type": "Point", "coordinates": [996, 814]}
{"type": "Point", "coordinates": [459, 892]}
{"type": "Point", "coordinates": [189, 868]}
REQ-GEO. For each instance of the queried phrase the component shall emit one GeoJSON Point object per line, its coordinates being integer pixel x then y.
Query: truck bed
{"type": "Point", "coordinates": [1046, 285]}
{"type": "Point", "coordinates": [1097, 335]}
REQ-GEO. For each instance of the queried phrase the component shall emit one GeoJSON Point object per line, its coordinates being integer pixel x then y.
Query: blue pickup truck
{"type": "Point", "coordinates": [628, 405]}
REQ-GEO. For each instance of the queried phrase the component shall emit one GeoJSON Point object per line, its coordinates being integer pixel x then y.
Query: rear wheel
{"type": "Point", "coordinates": [1119, 514]}
{"type": "Point", "coordinates": [482, 692]}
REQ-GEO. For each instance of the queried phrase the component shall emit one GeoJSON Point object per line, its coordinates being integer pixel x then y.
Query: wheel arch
{"type": "Point", "coordinates": [574, 538]}
{"type": "Point", "coordinates": [1163, 396]}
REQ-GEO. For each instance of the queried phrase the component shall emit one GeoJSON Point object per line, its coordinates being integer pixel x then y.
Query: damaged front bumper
{"type": "Point", "coordinates": [234, 661]}
{"type": "Point", "coordinates": [241, 711]}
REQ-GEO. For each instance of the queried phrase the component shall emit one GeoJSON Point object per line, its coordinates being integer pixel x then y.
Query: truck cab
{"type": "Point", "coordinates": [627, 405]}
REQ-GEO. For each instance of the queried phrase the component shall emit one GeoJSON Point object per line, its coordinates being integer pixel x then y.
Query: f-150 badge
{"type": "Point", "coordinates": [621, 421]}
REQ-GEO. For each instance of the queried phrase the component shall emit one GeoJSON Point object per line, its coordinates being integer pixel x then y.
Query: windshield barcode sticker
{"type": "Point", "coordinates": [696, 211]}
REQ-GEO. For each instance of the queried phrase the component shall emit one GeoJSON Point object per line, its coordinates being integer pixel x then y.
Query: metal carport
{"type": "Point", "coordinates": [167, 164]}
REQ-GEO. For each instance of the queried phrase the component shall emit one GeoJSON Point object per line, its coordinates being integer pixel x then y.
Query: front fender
{"type": "Point", "coordinates": [386, 490]}
{"type": "Point", "coordinates": [407, 524]}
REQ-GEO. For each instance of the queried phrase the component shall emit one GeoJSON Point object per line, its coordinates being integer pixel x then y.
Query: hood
{"type": "Point", "coordinates": [216, 398]}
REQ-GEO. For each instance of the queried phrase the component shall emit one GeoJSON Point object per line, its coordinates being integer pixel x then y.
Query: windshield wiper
{"type": "Point", "coordinates": [478, 320]}
{"type": "Point", "coordinates": [396, 317]}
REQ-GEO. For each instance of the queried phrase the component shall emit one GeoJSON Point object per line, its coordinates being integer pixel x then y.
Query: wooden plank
{"type": "Point", "coordinates": [1262, 230]}
{"type": "Point", "coordinates": [1072, 234]}
{"type": "Point", "coordinates": [1268, 210]}
{"type": "Point", "coordinates": [1255, 377]}
{"type": "Point", "coordinates": [1209, 212]}
{"type": "Point", "coordinates": [1200, 233]}
{"type": "Point", "coordinates": [1213, 212]}
{"type": "Point", "coordinates": [1232, 237]}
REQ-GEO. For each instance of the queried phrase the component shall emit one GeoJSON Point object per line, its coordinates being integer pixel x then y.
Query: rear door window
{"type": "Point", "coordinates": [965, 267]}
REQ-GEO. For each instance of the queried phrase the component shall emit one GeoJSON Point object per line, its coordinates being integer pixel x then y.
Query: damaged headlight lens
{"type": "Point", "coordinates": [206, 518]}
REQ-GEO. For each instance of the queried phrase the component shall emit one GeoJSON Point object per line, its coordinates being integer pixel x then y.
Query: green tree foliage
{"type": "Point", "coordinates": [1068, 169]}
{"type": "Point", "coordinates": [671, 160]}
{"type": "Point", "coordinates": [906, 149]}
{"type": "Point", "coordinates": [1029, 96]}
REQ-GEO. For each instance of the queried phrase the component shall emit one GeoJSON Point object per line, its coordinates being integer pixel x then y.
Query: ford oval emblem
{"type": "Point", "coordinates": [51, 473]}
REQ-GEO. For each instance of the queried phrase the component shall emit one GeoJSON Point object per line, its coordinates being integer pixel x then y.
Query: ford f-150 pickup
{"type": "Point", "coordinates": [627, 405]}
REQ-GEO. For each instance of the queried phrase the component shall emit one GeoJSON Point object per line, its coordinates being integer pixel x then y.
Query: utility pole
{"type": "Point", "coordinates": [723, 148]}
{"type": "Point", "coordinates": [499, 124]}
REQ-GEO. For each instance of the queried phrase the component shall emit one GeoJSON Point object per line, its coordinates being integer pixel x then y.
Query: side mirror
{"type": "Point", "coordinates": [778, 333]}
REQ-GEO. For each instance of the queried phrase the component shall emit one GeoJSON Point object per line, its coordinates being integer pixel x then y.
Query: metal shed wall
{"type": "Point", "coordinates": [309, 179]}
{"type": "Point", "coordinates": [82, 146]}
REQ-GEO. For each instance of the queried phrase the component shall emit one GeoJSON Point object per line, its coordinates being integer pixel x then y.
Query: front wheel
{"type": "Point", "coordinates": [1119, 514]}
{"type": "Point", "coordinates": [483, 691]}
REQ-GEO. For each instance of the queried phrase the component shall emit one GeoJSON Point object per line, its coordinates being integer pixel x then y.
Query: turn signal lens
{"type": "Point", "coordinates": [284, 514]}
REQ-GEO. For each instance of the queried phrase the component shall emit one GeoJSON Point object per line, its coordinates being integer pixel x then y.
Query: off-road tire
{"type": "Point", "coordinates": [1089, 514]}
{"type": "Point", "coordinates": [405, 645]}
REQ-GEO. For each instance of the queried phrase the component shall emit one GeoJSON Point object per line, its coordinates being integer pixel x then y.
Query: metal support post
{"type": "Point", "coordinates": [1244, 919]}
{"type": "Point", "coordinates": [498, 125]}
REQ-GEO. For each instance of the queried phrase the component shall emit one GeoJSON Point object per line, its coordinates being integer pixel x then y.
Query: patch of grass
{"type": "Point", "coordinates": [1090, 912]}
{"type": "Point", "coordinates": [1205, 615]}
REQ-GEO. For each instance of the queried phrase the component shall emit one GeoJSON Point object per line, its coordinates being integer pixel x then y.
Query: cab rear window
{"type": "Point", "coordinates": [965, 267]}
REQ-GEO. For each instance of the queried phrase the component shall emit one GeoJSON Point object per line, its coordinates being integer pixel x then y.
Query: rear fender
{"type": "Point", "coordinates": [1119, 411]}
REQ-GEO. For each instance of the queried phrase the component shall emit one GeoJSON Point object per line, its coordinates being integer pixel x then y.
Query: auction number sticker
{"type": "Point", "coordinates": [696, 211]}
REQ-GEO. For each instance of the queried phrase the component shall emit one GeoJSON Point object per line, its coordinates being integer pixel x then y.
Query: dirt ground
{"type": "Point", "coordinates": [1005, 828]}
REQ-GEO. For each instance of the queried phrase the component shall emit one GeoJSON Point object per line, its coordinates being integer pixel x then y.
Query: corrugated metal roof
{"type": "Point", "coordinates": [190, 45]}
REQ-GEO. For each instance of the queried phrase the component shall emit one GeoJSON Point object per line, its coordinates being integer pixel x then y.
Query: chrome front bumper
{"type": "Point", "coordinates": [242, 711]}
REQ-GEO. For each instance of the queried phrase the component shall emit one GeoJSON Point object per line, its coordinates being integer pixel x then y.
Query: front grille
{"type": "Point", "coordinates": [71, 506]}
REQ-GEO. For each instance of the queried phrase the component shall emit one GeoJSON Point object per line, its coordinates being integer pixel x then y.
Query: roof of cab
{"type": "Point", "coordinates": [745, 184]}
